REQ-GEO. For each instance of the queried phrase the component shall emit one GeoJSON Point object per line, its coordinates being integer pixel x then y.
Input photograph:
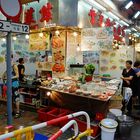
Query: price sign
{"type": "Point", "coordinates": [13, 27]}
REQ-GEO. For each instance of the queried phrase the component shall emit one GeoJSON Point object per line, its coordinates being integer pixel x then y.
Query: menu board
{"type": "Point", "coordinates": [93, 58]}
{"type": "Point", "coordinates": [39, 43]}
{"type": "Point", "coordinates": [94, 39]}
{"type": "Point", "coordinates": [58, 53]}
{"type": "Point", "coordinates": [113, 62]}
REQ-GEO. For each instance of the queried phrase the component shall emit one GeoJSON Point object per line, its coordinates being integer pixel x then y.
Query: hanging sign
{"type": "Point", "coordinates": [11, 8]}
{"type": "Point", "coordinates": [13, 27]}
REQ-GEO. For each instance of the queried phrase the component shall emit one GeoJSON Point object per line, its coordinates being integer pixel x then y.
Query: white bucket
{"type": "Point", "coordinates": [108, 127]}
{"type": "Point", "coordinates": [116, 112]}
{"type": "Point", "coordinates": [107, 134]}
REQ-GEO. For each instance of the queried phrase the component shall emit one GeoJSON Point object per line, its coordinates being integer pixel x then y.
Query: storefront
{"type": "Point", "coordinates": [74, 55]}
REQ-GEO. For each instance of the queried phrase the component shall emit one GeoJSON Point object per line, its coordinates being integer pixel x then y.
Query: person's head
{"type": "Point", "coordinates": [128, 64]}
{"type": "Point", "coordinates": [137, 64]}
{"type": "Point", "coordinates": [21, 60]}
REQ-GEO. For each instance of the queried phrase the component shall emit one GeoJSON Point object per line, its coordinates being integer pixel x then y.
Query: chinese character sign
{"type": "Point", "coordinates": [92, 15]}
{"type": "Point", "coordinates": [45, 11]}
{"type": "Point", "coordinates": [29, 16]}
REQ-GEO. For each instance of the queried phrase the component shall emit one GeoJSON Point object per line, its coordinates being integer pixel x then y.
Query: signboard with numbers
{"type": "Point", "coordinates": [13, 27]}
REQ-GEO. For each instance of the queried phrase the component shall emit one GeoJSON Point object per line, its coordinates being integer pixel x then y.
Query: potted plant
{"type": "Point", "coordinates": [89, 68]}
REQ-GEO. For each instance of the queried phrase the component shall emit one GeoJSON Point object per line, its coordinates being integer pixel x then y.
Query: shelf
{"type": "Point", "coordinates": [27, 86]}
{"type": "Point", "coordinates": [27, 103]}
{"type": "Point", "coordinates": [3, 99]}
{"type": "Point", "coordinates": [25, 93]}
{"type": "Point", "coordinates": [76, 65]}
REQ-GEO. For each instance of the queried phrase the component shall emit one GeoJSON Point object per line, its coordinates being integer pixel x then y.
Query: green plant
{"type": "Point", "coordinates": [90, 68]}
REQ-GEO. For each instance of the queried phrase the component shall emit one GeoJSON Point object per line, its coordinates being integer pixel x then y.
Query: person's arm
{"type": "Point", "coordinates": [138, 74]}
{"type": "Point", "coordinates": [127, 78]}
{"type": "Point", "coordinates": [22, 71]}
{"type": "Point", "coordinates": [16, 72]}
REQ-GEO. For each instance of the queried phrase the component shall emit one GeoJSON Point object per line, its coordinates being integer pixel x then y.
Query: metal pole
{"type": "Point", "coordinates": [9, 81]}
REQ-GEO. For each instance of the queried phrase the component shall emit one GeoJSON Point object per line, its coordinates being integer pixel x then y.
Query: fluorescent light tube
{"type": "Point", "coordinates": [96, 4]}
{"type": "Point", "coordinates": [127, 30]}
{"type": "Point", "coordinates": [128, 5]}
{"type": "Point", "coordinates": [136, 35]}
{"type": "Point", "coordinates": [123, 22]}
{"type": "Point", "coordinates": [134, 29]}
{"type": "Point", "coordinates": [113, 15]}
{"type": "Point", "coordinates": [137, 14]}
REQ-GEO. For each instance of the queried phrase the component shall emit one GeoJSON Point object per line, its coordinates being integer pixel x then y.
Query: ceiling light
{"type": "Point", "coordinates": [113, 15]}
{"type": "Point", "coordinates": [128, 5]}
{"type": "Point", "coordinates": [14, 38]}
{"type": "Point", "coordinates": [123, 22]}
{"type": "Point", "coordinates": [27, 36]}
{"type": "Point", "coordinates": [57, 32]}
{"type": "Point", "coordinates": [78, 48]}
{"type": "Point", "coordinates": [75, 34]}
{"type": "Point", "coordinates": [136, 35]}
{"type": "Point", "coordinates": [123, 39]}
{"type": "Point", "coordinates": [137, 14]}
{"type": "Point", "coordinates": [96, 4]}
{"type": "Point", "coordinates": [127, 30]}
{"type": "Point", "coordinates": [103, 24]}
{"type": "Point", "coordinates": [134, 29]}
{"type": "Point", "coordinates": [3, 39]}
{"type": "Point", "coordinates": [41, 34]}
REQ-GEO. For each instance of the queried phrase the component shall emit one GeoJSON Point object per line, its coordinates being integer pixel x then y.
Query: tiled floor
{"type": "Point", "coordinates": [30, 118]}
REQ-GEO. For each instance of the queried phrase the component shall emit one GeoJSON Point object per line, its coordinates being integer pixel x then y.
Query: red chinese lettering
{"type": "Point", "coordinates": [45, 11]}
{"type": "Point", "coordinates": [29, 16]}
{"type": "Point", "coordinates": [119, 30]}
{"type": "Point", "coordinates": [107, 22]}
{"type": "Point", "coordinates": [16, 19]}
{"type": "Point", "coordinates": [101, 17]}
{"type": "Point", "coordinates": [123, 32]}
{"type": "Point", "coordinates": [92, 14]}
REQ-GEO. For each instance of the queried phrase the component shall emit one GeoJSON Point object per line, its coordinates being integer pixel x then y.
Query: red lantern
{"type": "Point", "coordinates": [45, 11]}
{"type": "Point", "coordinates": [92, 15]}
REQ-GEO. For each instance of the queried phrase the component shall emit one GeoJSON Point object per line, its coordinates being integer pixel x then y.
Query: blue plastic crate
{"type": "Point", "coordinates": [40, 137]}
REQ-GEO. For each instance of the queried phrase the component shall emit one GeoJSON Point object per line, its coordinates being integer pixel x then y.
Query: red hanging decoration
{"type": "Point", "coordinates": [101, 18]}
{"type": "Point", "coordinates": [92, 15]}
{"type": "Point", "coordinates": [45, 11]}
{"type": "Point", "coordinates": [29, 16]}
{"type": "Point", "coordinates": [107, 22]}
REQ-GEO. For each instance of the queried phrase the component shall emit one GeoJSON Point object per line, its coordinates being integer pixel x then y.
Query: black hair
{"type": "Point", "coordinates": [20, 60]}
{"type": "Point", "coordinates": [129, 62]}
{"type": "Point", "coordinates": [137, 63]}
